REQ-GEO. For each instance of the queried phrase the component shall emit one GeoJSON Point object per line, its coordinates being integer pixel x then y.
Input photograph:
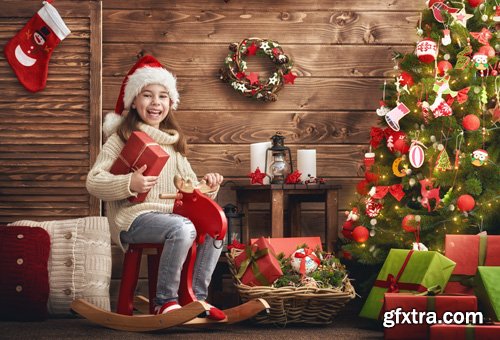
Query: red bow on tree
{"type": "Point", "coordinates": [376, 136]}
{"type": "Point", "coordinates": [396, 190]}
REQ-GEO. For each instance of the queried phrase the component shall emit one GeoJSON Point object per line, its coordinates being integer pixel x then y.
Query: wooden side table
{"type": "Point", "coordinates": [277, 194]}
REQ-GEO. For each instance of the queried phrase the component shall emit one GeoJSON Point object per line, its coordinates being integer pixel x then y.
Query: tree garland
{"type": "Point", "coordinates": [249, 84]}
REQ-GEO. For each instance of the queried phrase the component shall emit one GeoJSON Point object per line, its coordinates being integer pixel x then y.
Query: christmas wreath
{"type": "Point", "coordinates": [248, 84]}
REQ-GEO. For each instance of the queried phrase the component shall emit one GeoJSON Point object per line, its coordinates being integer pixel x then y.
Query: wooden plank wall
{"type": "Point", "coordinates": [342, 52]}
{"type": "Point", "coordinates": [49, 139]}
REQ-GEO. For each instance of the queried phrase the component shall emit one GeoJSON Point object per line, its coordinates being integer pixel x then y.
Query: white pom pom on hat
{"type": "Point", "coordinates": [146, 71]}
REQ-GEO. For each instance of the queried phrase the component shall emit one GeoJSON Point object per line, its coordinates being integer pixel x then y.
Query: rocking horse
{"type": "Point", "coordinates": [208, 218]}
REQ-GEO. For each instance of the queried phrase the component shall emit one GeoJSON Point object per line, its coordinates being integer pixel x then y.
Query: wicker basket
{"type": "Point", "coordinates": [305, 305]}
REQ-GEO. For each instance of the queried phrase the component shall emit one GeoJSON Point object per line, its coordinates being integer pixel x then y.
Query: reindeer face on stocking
{"type": "Point", "coordinates": [28, 53]}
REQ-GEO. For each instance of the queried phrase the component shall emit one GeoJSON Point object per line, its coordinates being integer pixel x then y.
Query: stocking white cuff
{"type": "Point", "coordinates": [51, 16]}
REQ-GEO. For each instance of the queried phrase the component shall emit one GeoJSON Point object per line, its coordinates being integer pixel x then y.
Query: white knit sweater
{"type": "Point", "coordinates": [115, 189]}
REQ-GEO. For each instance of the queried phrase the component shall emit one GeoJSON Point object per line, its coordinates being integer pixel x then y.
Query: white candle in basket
{"type": "Point", "coordinates": [258, 152]}
{"type": "Point", "coordinates": [306, 163]}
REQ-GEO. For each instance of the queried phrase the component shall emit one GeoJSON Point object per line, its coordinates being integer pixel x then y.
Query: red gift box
{"type": "Point", "coordinates": [140, 149]}
{"type": "Point", "coordinates": [257, 265]}
{"type": "Point", "coordinates": [465, 332]}
{"type": "Point", "coordinates": [288, 245]}
{"type": "Point", "coordinates": [469, 252]}
{"type": "Point", "coordinates": [422, 303]}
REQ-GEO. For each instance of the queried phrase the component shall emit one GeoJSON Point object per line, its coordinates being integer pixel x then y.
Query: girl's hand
{"type": "Point", "coordinates": [213, 179]}
{"type": "Point", "coordinates": [140, 183]}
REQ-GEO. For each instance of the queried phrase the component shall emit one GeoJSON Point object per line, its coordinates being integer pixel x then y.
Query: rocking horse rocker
{"type": "Point", "coordinates": [208, 218]}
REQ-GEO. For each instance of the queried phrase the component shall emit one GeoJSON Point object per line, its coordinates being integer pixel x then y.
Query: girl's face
{"type": "Point", "coordinates": [152, 104]}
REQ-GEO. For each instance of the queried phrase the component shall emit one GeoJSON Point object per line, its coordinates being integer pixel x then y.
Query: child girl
{"type": "Point", "coordinates": [150, 95]}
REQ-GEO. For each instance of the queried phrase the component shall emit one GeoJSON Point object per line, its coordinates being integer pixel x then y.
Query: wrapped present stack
{"type": "Point", "coordinates": [465, 280]}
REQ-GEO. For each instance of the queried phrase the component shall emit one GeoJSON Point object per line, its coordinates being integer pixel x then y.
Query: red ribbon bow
{"type": "Point", "coordinates": [396, 190]}
{"type": "Point", "coordinates": [376, 136]}
{"type": "Point", "coordinates": [461, 97]}
{"type": "Point", "coordinates": [307, 252]}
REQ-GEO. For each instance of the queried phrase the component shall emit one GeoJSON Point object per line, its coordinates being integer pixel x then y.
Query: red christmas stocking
{"type": "Point", "coordinates": [28, 52]}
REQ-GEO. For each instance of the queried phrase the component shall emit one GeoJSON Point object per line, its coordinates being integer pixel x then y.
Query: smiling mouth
{"type": "Point", "coordinates": [154, 113]}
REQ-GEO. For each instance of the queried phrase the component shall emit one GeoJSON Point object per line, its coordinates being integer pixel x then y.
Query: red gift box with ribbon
{"type": "Point", "coordinates": [465, 332]}
{"type": "Point", "coordinates": [258, 265]}
{"type": "Point", "coordinates": [469, 252]}
{"type": "Point", "coordinates": [140, 149]}
{"type": "Point", "coordinates": [422, 303]}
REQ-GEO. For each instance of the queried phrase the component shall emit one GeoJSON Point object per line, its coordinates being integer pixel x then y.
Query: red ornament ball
{"type": "Point", "coordinates": [471, 122]}
{"type": "Point", "coordinates": [443, 67]}
{"type": "Point", "coordinates": [406, 79]}
{"type": "Point", "coordinates": [466, 203]}
{"type": "Point", "coordinates": [360, 234]}
{"type": "Point", "coordinates": [475, 3]}
{"type": "Point", "coordinates": [410, 224]}
{"type": "Point", "coordinates": [401, 146]}
{"type": "Point", "coordinates": [487, 50]}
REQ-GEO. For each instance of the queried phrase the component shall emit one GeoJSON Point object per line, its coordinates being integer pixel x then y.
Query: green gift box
{"type": "Point", "coordinates": [487, 289]}
{"type": "Point", "coordinates": [407, 271]}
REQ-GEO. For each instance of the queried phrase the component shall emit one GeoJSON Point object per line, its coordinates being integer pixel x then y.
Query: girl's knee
{"type": "Point", "coordinates": [186, 230]}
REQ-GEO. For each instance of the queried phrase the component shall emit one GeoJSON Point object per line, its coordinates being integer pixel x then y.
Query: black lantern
{"type": "Point", "coordinates": [279, 167]}
{"type": "Point", "coordinates": [234, 224]}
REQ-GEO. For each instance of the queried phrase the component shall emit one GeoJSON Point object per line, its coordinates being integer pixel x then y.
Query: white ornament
{"type": "Point", "coordinates": [372, 232]}
{"type": "Point", "coordinates": [373, 221]}
{"type": "Point", "coordinates": [446, 56]}
{"type": "Point", "coordinates": [309, 264]}
{"type": "Point", "coordinates": [382, 110]}
{"type": "Point", "coordinates": [433, 138]}
{"type": "Point", "coordinates": [412, 182]}
{"type": "Point", "coordinates": [440, 147]}
{"type": "Point", "coordinates": [416, 154]}
{"type": "Point", "coordinates": [484, 17]}
{"type": "Point", "coordinates": [446, 40]}
{"type": "Point", "coordinates": [419, 246]}
{"type": "Point", "coordinates": [451, 207]}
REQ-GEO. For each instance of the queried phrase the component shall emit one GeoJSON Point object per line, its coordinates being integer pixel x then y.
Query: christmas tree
{"type": "Point", "coordinates": [432, 165]}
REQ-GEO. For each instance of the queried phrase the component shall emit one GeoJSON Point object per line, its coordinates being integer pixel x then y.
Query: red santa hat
{"type": "Point", "coordinates": [145, 72]}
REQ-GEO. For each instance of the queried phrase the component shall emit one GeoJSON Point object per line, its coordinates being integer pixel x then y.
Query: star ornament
{"type": "Point", "coordinates": [252, 49]}
{"type": "Point", "coordinates": [289, 78]}
{"type": "Point", "coordinates": [461, 17]}
{"type": "Point", "coordinates": [257, 177]}
{"type": "Point", "coordinates": [253, 77]}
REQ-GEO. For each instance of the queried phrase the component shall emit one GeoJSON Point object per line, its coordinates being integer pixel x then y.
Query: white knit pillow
{"type": "Point", "coordinates": [79, 262]}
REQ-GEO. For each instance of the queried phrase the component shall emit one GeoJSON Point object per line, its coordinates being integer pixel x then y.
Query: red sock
{"type": "Point", "coordinates": [29, 51]}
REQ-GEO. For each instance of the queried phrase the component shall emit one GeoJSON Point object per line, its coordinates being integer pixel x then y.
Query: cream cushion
{"type": "Point", "coordinates": [79, 262]}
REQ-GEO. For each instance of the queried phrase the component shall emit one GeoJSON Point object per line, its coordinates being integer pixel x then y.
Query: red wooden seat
{"type": "Point", "coordinates": [207, 217]}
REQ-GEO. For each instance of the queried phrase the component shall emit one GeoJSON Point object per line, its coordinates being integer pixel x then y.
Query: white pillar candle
{"type": "Point", "coordinates": [258, 152]}
{"type": "Point", "coordinates": [306, 163]}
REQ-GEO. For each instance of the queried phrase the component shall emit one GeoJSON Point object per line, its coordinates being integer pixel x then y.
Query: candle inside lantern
{"type": "Point", "coordinates": [306, 163]}
{"type": "Point", "coordinates": [258, 154]}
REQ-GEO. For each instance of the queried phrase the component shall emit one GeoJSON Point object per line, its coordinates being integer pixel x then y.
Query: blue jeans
{"type": "Point", "coordinates": [177, 234]}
